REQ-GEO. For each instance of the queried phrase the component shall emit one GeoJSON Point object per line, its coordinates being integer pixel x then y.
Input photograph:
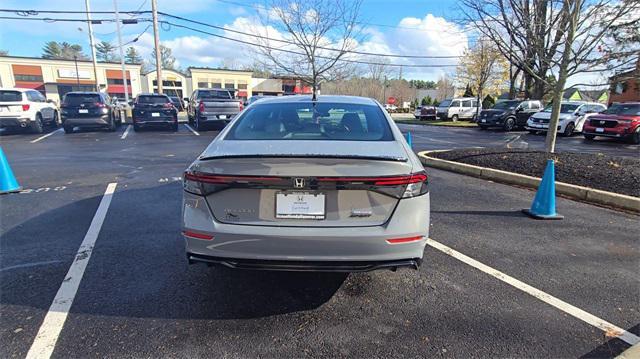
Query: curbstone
{"type": "Point", "coordinates": [572, 191]}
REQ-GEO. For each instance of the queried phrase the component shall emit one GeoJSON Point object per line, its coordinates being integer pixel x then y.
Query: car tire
{"type": "Point", "coordinates": [533, 132]}
{"type": "Point", "coordinates": [482, 127]}
{"type": "Point", "coordinates": [635, 137]}
{"type": "Point", "coordinates": [589, 137]}
{"type": "Point", "coordinates": [112, 124]}
{"type": "Point", "coordinates": [174, 127]}
{"type": "Point", "coordinates": [454, 118]}
{"type": "Point", "coordinates": [197, 125]}
{"type": "Point", "coordinates": [54, 122]}
{"type": "Point", "coordinates": [68, 129]}
{"type": "Point", "coordinates": [568, 130]}
{"type": "Point", "coordinates": [136, 128]}
{"type": "Point", "coordinates": [509, 124]}
{"type": "Point", "coordinates": [36, 126]}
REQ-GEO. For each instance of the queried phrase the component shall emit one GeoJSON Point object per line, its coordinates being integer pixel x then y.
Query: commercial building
{"type": "Point", "coordinates": [55, 77]}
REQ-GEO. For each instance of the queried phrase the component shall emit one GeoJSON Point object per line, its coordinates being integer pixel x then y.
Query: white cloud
{"type": "Point", "coordinates": [433, 36]}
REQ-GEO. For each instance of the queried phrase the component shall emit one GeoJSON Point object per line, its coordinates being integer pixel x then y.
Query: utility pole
{"type": "Point", "coordinates": [156, 40]}
{"type": "Point", "coordinates": [91, 42]}
{"type": "Point", "coordinates": [75, 60]}
{"type": "Point", "coordinates": [124, 71]}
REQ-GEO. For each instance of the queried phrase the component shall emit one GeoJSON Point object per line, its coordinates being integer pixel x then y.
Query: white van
{"type": "Point", "coordinates": [457, 108]}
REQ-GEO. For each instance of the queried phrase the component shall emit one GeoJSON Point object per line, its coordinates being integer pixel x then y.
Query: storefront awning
{"type": "Point", "coordinates": [117, 89]}
{"type": "Point", "coordinates": [242, 93]}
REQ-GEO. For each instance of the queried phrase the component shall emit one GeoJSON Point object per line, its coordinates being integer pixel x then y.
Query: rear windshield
{"type": "Point", "coordinates": [73, 99]}
{"type": "Point", "coordinates": [624, 109]}
{"type": "Point", "coordinates": [225, 95]}
{"type": "Point", "coordinates": [153, 99]}
{"type": "Point", "coordinates": [445, 103]}
{"type": "Point", "coordinates": [10, 96]}
{"type": "Point", "coordinates": [308, 121]}
{"type": "Point", "coordinates": [506, 105]}
{"type": "Point", "coordinates": [564, 108]}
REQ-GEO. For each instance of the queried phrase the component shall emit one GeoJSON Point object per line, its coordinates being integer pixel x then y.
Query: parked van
{"type": "Point", "coordinates": [457, 108]}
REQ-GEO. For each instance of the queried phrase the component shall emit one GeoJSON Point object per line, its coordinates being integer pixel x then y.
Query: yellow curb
{"type": "Point", "coordinates": [581, 193]}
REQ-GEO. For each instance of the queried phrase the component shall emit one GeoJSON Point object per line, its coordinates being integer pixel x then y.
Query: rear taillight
{"type": "Point", "coordinates": [241, 106]}
{"type": "Point", "coordinates": [405, 240]}
{"type": "Point", "coordinates": [168, 105]}
{"type": "Point", "coordinates": [197, 235]}
{"type": "Point", "coordinates": [201, 106]}
{"type": "Point", "coordinates": [26, 107]}
{"type": "Point", "coordinates": [405, 186]}
{"type": "Point", "coordinates": [101, 105]}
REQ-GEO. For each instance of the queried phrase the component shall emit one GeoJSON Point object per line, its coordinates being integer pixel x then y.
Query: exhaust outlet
{"type": "Point", "coordinates": [23, 124]}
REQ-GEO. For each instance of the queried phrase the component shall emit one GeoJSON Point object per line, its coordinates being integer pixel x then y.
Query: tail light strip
{"type": "Point", "coordinates": [377, 181]}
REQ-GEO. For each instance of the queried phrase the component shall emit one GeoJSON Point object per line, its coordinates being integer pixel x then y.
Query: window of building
{"type": "Point", "coordinates": [118, 82]}
{"type": "Point", "coordinates": [28, 78]}
{"type": "Point", "coordinates": [203, 85]}
{"type": "Point", "coordinates": [216, 83]}
{"type": "Point", "coordinates": [229, 85]}
{"type": "Point", "coordinates": [242, 85]}
{"type": "Point", "coordinates": [170, 83]}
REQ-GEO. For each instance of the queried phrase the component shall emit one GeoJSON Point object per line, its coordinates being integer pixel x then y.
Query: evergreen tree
{"type": "Point", "coordinates": [132, 56]}
{"type": "Point", "coordinates": [51, 50]}
{"type": "Point", "coordinates": [105, 51]}
{"type": "Point", "coordinates": [468, 92]}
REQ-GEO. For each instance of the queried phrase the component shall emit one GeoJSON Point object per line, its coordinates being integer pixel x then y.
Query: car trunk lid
{"type": "Point", "coordinates": [252, 187]}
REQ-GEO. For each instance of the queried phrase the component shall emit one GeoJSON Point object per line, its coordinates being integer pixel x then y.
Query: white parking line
{"type": "Point", "coordinates": [49, 331]}
{"type": "Point", "coordinates": [609, 329]}
{"type": "Point", "coordinates": [192, 130]}
{"type": "Point", "coordinates": [126, 132]}
{"type": "Point", "coordinates": [45, 136]}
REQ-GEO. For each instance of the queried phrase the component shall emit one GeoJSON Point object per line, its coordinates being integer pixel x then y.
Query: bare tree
{"type": "Point", "coordinates": [550, 40]}
{"type": "Point", "coordinates": [312, 28]}
{"type": "Point", "coordinates": [444, 87]}
{"type": "Point", "coordinates": [484, 68]}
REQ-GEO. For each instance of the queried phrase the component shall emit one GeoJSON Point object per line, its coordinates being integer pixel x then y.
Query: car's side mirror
{"type": "Point", "coordinates": [51, 101]}
{"type": "Point", "coordinates": [519, 109]}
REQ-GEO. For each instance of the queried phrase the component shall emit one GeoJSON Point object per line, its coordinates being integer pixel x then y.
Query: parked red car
{"type": "Point", "coordinates": [425, 113]}
{"type": "Point", "coordinates": [621, 120]}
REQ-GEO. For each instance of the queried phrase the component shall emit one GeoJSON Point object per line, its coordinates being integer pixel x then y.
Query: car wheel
{"type": "Point", "coordinates": [68, 129]}
{"type": "Point", "coordinates": [482, 127]}
{"type": "Point", "coordinates": [509, 124]}
{"type": "Point", "coordinates": [589, 137]}
{"type": "Point", "coordinates": [454, 118]}
{"type": "Point", "coordinates": [112, 124]}
{"type": "Point", "coordinates": [54, 122]}
{"type": "Point", "coordinates": [36, 126]}
{"type": "Point", "coordinates": [136, 128]}
{"type": "Point", "coordinates": [568, 129]}
{"type": "Point", "coordinates": [174, 127]}
{"type": "Point", "coordinates": [635, 138]}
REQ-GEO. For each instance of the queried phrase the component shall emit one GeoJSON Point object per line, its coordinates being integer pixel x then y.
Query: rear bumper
{"type": "Point", "coordinates": [14, 121]}
{"type": "Point", "coordinates": [217, 118]}
{"type": "Point", "coordinates": [347, 245]}
{"type": "Point", "coordinates": [305, 266]}
{"type": "Point", "coordinates": [86, 121]}
{"type": "Point", "coordinates": [607, 134]}
{"type": "Point", "coordinates": [155, 121]}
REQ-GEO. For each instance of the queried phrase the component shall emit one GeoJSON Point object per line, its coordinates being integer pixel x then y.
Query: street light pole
{"type": "Point", "coordinates": [91, 42]}
{"type": "Point", "coordinates": [156, 40]}
{"type": "Point", "coordinates": [124, 71]}
{"type": "Point", "coordinates": [75, 60]}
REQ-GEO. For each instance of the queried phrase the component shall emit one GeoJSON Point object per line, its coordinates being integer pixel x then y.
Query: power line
{"type": "Point", "coordinates": [300, 53]}
{"type": "Point", "coordinates": [293, 43]}
{"type": "Point", "coordinates": [49, 19]}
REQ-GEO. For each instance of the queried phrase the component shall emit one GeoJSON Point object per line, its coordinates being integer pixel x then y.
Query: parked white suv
{"type": "Point", "coordinates": [26, 108]}
{"type": "Point", "coordinates": [573, 114]}
{"type": "Point", "coordinates": [457, 108]}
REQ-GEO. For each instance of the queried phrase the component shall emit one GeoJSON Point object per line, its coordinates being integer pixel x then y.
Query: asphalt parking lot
{"type": "Point", "coordinates": [441, 137]}
{"type": "Point", "coordinates": [494, 283]}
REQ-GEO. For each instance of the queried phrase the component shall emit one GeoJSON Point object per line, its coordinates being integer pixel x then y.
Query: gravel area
{"type": "Point", "coordinates": [600, 171]}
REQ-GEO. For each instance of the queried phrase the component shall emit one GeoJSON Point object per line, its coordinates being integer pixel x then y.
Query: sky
{"type": "Point", "coordinates": [409, 27]}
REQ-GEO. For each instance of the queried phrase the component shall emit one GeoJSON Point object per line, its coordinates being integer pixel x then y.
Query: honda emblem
{"type": "Point", "coordinates": [298, 182]}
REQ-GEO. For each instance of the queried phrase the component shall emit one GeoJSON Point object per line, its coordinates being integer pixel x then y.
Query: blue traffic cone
{"type": "Point", "coordinates": [544, 204]}
{"type": "Point", "coordinates": [8, 182]}
{"type": "Point", "coordinates": [409, 139]}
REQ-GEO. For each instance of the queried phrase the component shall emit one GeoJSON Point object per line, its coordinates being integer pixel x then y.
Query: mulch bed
{"type": "Point", "coordinates": [600, 171]}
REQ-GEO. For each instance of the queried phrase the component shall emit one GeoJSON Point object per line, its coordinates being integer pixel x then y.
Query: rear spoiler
{"type": "Point", "coordinates": [357, 157]}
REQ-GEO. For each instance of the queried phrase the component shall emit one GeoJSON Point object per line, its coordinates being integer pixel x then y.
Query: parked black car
{"type": "Point", "coordinates": [89, 110]}
{"type": "Point", "coordinates": [509, 114]}
{"type": "Point", "coordinates": [154, 110]}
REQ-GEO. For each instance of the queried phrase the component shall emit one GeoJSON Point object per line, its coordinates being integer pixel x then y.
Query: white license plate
{"type": "Point", "coordinates": [483, 121]}
{"type": "Point", "coordinates": [222, 117]}
{"type": "Point", "coordinates": [155, 114]}
{"type": "Point", "coordinates": [600, 130]}
{"type": "Point", "coordinates": [300, 205]}
{"type": "Point", "coordinates": [83, 111]}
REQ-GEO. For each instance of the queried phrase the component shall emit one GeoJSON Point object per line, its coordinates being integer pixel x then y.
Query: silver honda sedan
{"type": "Point", "coordinates": [307, 185]}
